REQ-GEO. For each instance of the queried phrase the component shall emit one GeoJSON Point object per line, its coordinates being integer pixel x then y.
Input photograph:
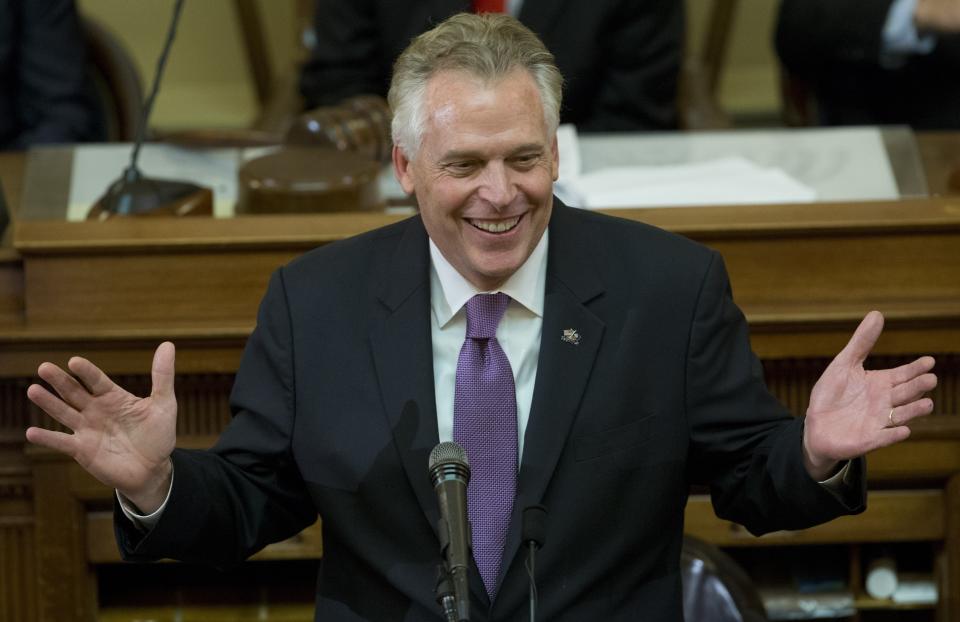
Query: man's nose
{"type": "Point", "coordinates": [496, 185]}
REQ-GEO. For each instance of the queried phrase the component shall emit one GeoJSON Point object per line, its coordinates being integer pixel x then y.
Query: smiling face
{"type": "Point", "coordinates": [484, 172]}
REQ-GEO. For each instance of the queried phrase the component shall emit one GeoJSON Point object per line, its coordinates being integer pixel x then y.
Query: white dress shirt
{"type": "Point", "coordinates": [518, 331]}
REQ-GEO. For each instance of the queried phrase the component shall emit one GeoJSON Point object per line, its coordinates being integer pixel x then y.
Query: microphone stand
{"type": "Point", "coordinates": [533, 535]}
{"type": "Point", "coordinates": [531, 572]}
{"type": "Point", "coordinates": [133, 194]}
{"type": "Point", "coordinates": [445, 593]}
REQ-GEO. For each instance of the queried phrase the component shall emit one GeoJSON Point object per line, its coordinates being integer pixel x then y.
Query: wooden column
{"type": "Point", "coordinates": [18, 594]}
{"type": "Point", "coordinates": [66, 583]}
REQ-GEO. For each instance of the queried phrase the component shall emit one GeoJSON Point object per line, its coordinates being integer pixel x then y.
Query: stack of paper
{"type": "Point", "coordinates": [727, 181]}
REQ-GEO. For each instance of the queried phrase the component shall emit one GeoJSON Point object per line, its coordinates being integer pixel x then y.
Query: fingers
{"type": "Point", "coordinates": [65, 385]}
{"type": "Point", "coordinates": [863, 339]}
{"type": "Point", "coordinates": [58, 441]}
{"type": "Point", "coordinates": [908, 372]}
{"type": "Point", "coordinates": [913, 390]}
{"type": "Point", "coordinates": [904, 414]}
{"type": "Point", "coordinates": [163, 371]}
{"type": "Point", "coordinates": [889, 436]}
{"type": "Point", "coordinates": [56, 408]}
{"type": "Point", "coordinates": [96, 381]}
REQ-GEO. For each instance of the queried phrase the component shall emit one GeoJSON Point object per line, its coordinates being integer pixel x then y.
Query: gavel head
{"type": "Point", "coordinates": [360, 124]}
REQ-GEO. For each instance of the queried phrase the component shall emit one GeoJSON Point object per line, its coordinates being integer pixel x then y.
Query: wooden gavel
{"type": "Point", "coordinates": [330, 162]}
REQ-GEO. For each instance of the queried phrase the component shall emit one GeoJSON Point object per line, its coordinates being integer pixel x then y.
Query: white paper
{"type": "Point", "coordinates": [726, 181]}
{"type": "Point", "coordinates": [838, 164]}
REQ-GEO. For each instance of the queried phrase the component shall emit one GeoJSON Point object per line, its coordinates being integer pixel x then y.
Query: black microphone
{"type": "Point", "coordinates": [533, 532]}
{"type": "Point", "coordinates": [450, 474]}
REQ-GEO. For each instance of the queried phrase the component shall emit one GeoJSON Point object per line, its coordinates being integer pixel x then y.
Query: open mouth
{"type": "Point", "coordinates": [495, 226]}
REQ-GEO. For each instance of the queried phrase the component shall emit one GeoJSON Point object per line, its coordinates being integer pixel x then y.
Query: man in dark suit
{"type": "Point", "coordinates": [876, 62]}
{"type": "Point", "coordinates": [628, 365]}
{"type": "Point", "coordinates": [620, 59]}
{"type": "Point", "coordinates": [45, 96]}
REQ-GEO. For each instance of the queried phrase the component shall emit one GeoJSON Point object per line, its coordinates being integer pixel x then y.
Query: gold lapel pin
{"type": "Point", "coordinates": [571, 336]}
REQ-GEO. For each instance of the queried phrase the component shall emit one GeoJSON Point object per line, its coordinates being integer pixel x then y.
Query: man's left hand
{"type": "Point", "coordinates": [854, 411]}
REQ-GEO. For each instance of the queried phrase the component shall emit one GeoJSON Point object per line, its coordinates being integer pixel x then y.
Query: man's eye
{"type": "Point", "coordinates": [461, 167]}
{"type": "Point", "coordinates": [527, 160]}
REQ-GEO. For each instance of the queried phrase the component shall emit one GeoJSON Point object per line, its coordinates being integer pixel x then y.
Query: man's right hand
{"type": "Point", "coordinates": [123, 440]}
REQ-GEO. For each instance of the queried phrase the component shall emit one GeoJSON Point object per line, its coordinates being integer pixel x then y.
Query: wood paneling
{"type": "Point", "coordinates": [183, 289]}
{"type": "Point", "coordinates": [792, 379]}
{"type": "Point", "coordinates": [122, 351]}
{"type": "Point", "coordinates": [66, 588]}
{"type": "Point", "coordinates": [11, 289]}
{"type": "Point", "coordinates": [18, 593]}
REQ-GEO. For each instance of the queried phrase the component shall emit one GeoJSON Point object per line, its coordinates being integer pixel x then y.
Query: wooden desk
{"type": "Point", "coordinates": [804, 275]}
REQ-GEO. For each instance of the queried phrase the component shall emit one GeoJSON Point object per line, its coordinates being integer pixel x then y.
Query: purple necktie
{"type": "Point", "coordinates": [485, 425]}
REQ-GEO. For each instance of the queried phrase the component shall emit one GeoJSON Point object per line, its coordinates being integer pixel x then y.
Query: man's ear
{"type": "Point", "coordinates": [402, 169]}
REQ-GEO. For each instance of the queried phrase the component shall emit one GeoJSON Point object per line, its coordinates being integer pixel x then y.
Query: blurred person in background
{"type": "Point", "coordinates": [45, 96]}
{"type": "Point", "coordinates": [875, 62]}
{"type": "Point", "coordinates": [620, 58]}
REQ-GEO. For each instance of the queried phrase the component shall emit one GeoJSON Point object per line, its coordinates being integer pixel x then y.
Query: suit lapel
{"type": "Point", "coordinates": [403, 355]}
{"type": "Point", "coordinates": [564, 366]}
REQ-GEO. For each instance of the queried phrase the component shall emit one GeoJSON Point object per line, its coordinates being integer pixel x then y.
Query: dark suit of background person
{"type": "Point", "coordinates": [835, 45]}
{"type": "Point", "coordinates": [620, 58]}
{"type": "Point", "coordinates": [45, 96]}
{"type": "Point", "coordinates": [335, 413]}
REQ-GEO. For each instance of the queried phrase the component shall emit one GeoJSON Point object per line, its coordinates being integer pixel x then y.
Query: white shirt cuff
{"type": "Point", "coordinates": [144, 522]}
{"type": "Point", "coordinates": [839, 479]}
{"type": "Point", "coordinates": [900, 36]}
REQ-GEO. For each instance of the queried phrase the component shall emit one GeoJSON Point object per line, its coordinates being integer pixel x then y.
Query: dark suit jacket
{"type": "Point", "coordinates": [335, 414]}
{"type": "Point", "coordinates": [835, 46]}
{"type": "Point", "coordinates": [45, 94]}
{"type": "Point", "coordinates": [620, 58]}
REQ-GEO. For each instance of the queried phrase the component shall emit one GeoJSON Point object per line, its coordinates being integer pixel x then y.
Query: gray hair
{"type": "Point", "coordinates": [488, 46]}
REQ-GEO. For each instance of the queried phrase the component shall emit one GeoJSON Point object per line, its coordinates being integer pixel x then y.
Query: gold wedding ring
{"type": "Point", "coordinates": [892, 423]}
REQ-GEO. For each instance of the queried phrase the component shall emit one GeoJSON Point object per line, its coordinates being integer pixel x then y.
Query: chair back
{"type": "Point", "coordinates": [116, 80]}
{"type": "Point", "coordinates": [715, 587]}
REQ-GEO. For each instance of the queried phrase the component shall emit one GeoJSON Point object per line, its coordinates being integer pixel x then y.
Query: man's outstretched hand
{"type": "Point", "coordinates": [123, 440]}
{"type": "Point", "coordinates": [854, 411]}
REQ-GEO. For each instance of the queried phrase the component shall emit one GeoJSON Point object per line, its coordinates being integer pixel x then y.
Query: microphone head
{"type": "Point", "coordinates": [448, 452]}
{"type": "Point", "coordinates": [448, 460]}
{"type": "Point", "coordinates": [534, 525]}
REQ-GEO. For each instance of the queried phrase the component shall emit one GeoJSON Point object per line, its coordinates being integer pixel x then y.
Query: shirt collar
{"type": "Point", "coordinates": [450, 291]}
